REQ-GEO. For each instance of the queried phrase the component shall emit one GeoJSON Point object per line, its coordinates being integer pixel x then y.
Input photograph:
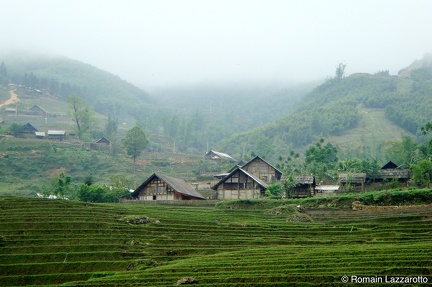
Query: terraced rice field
{"type": "Point", "coordinates": [53, 242]}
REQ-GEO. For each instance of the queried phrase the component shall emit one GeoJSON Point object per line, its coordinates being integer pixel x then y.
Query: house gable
{"type": "Point", "coordinates": [262, 170]}
{"type": "Point", "coordinates": [239, 184]}
{"type": "Point", "coordinates": [162, 187]}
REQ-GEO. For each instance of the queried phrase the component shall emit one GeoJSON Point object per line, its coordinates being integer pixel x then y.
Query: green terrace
{"type": "Point", "coordinates": [56, 242]}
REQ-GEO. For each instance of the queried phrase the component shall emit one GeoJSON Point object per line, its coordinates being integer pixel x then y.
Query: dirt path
{"type": "Point", "coordinates": [13, 98]}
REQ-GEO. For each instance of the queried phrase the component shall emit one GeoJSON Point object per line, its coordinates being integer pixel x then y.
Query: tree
{"type": "Point", "coordinates": [321, 159]}
{"type": "Point", "coordinates": [340, 70]}
{"type": "Point", "coordinates": [422, 173]}
{"type": "Point", "coordinates": [135, 142]}
{"type": "Point", "coordinates": [274, 189]}
{"type": "Point", "coordinates": [82, 114]}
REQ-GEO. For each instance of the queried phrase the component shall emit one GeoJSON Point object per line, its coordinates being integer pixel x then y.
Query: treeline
{"type": "Point", "coordinates": [333, 108]}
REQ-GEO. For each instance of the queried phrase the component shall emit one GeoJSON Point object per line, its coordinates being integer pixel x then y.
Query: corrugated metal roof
{"type": "Point", "coordinates": [56, 133]}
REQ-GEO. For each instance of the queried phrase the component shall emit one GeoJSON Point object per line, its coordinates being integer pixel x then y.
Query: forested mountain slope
{"type": "Point", "coordinates": [334, 108]}
{"type": "Point", "coordinates": [61, 76]}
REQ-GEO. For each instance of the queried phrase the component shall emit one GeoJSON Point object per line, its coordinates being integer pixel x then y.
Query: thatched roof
{"type": "Point", "coordinates": [389, 165]}
{"type": "Point", "coordinates": [179, 185]}
{"type": "Point", "coordinates": [353, 177]}
{"type": "Point", "coordinates": [304, 179]}
{"type": "Point", "coordinates": [393, 173]}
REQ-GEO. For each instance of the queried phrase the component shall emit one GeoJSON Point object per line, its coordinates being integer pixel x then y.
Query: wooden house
{"type": "Point", "coordinates": [37, 110]}
{"type": "Point", "coordinates": [262, 170]}
{"type": "Point", "coordinates": [40, 135]}
{"type": "Point", "coordinates": [218, 156]}
{"type": "Point", "coordinates": [391, 171]}
{"type": "Point", "coordinates": [103, 141]}
{"type": "Point", "coordinates": [162, 187]}
{"type": "Point", "coordinates": [239, 184]}
{"type": "Point", "coordinates": [28, 130]}
{"type": "Point", "coordinates": [352, 181]}
{"type": "Point", "coordinates": [58, 135]}
{"type": "Point", "coordinates": [304, 186]}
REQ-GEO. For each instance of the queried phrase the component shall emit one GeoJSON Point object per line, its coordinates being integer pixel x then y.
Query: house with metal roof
{"type": "Point", "coordinates": [163, 187]}
{"type": "Point", "coordinates": [218, 156]}
{"type": "Point", "coordinates": [54, 134]}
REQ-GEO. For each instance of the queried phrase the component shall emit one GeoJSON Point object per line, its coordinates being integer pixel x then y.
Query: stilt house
{"type": "Point", "coordinates": [304, 186]}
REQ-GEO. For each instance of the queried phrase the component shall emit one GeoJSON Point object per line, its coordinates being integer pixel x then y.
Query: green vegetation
{"type": "Point", "coordinates": [242, 243]}
{"type": "Point", "coordinates": [338, 106]}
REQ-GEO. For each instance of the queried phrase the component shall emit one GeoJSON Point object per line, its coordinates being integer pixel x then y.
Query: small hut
{"type": "Point", "coordinates": [304, 186]}
{"type": "Point", "coordinates": [104, 141]}
{"type": "Point", "coordinates": [352, 181]}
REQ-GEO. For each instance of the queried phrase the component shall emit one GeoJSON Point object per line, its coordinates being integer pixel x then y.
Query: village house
{"type": "Point", "coordinates": [262, 170]}
{"type": "Point", "coordinates": [163, 187]}
{"type": "Point", "coordinates": [352, 181]}
{"type": "Point", "coordinates": [103, 141]}
{"type": "Point", "coordinates": [239, 184]}
{"type": "Point", "coordinates": [28, 130]}
{"type": "Point", "coordinates": [304, 186]}
{"type": "Point", "coordinates": [57, 135]}
{"type": "Point", "coordinates": [247, 181]}
{"type": "Point", "coordinates": [218, 156]}
{"type": "Point", "coordinates": [391, 171]}
{"type": "Point", "coordinates": [37, 110]}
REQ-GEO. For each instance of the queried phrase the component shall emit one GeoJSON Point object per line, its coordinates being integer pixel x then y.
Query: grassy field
{"type": "Point", "coordinates": [54, 242]}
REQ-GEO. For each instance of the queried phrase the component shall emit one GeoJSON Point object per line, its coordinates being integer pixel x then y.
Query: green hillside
{"type": "Point", "coordinates": [61, 76]}
{"type": "Point", "coordinates": [56, 242]}
{"type": "Point", "coordinates": [337, 109]}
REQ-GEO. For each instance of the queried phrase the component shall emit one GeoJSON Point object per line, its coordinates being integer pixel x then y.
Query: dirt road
{"type": "Point", "coordinates": [13, 98]}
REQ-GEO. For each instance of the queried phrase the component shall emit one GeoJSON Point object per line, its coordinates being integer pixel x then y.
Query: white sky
{"type": "Point", "coordinates": [153, 43]}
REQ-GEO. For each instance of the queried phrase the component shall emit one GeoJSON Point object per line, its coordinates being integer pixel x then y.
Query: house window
{"type": "Point", "coordinates": [177, 198]}
{"type": "Point", "coordinates": [154, 197]}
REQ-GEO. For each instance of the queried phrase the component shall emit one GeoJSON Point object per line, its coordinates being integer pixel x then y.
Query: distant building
{"type": "Point", "coordinates": [55, 134]}
{"type": "Point", "coordinates": [218, 156]}
{"type": "Point", "coordinates": [28, 130]}
{"type": "Point", "coordinates": [103, 140]}
{"type": "Point", "coordinates": [37, 110]}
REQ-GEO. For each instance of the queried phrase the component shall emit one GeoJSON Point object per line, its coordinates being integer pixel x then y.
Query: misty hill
{"type": "Point", "coordinates": [193, 118]}
{"type": "Point", "coordinates": [61, 76]}
{"type": "Point", "coordinates": [337, 107]}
